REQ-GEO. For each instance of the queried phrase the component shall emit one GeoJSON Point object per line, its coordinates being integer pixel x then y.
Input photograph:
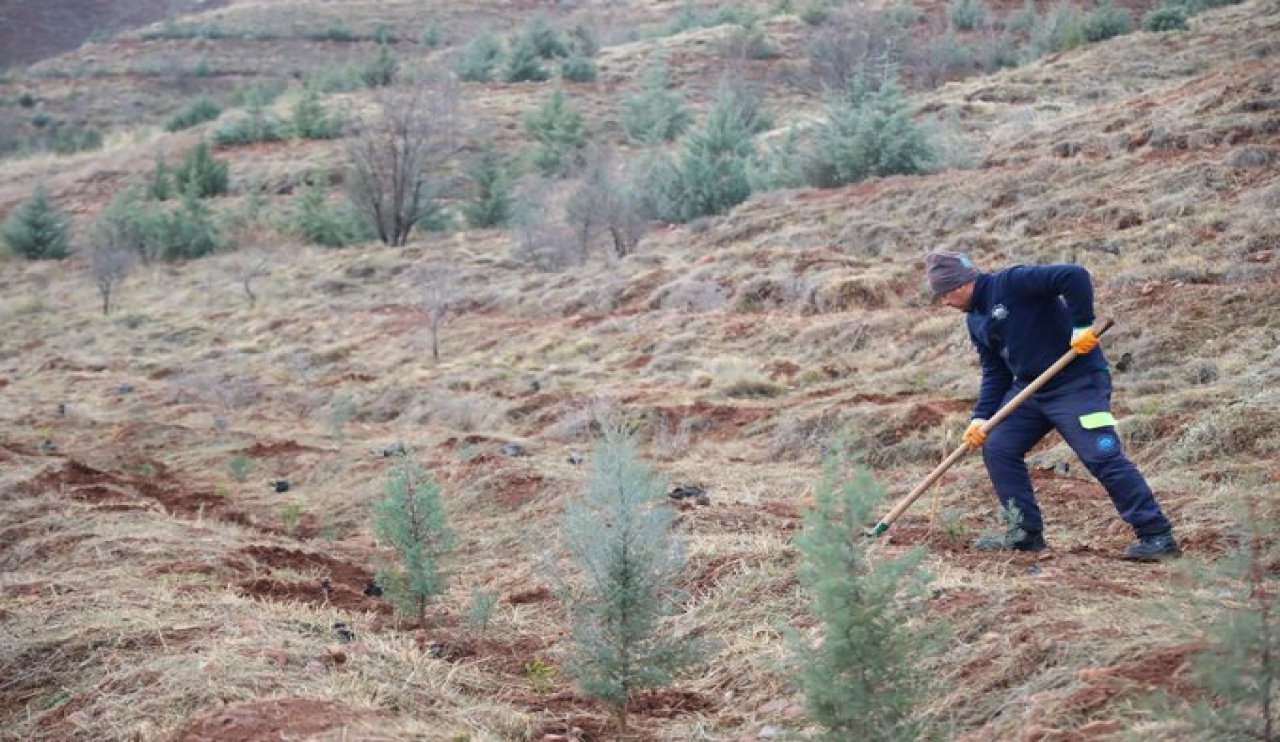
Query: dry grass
{"type": "Point", "coordinates": [147, 589]}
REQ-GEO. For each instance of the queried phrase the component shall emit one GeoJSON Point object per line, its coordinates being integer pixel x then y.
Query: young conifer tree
{"type": "Point", "coordinates": [1240, 669]}
{"type": "Point", "coordinates": [619, 536]}
{"type": "Point", "coordinates": [863, 677]}
{"type": "Point", "coordinates": [37, 230]}
{"type": "Point", "coordinates": [411, 519]}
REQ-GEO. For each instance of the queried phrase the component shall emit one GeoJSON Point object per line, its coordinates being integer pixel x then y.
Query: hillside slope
{"type": "Point", "coordinates": [156, 585]}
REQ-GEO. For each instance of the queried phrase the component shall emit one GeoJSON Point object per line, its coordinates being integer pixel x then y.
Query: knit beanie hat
{"type": "Point", "coordinates": [948, 270]}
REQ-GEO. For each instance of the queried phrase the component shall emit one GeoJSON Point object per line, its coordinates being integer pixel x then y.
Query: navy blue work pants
{"type": "Point", "coordinates": [1071, 408]}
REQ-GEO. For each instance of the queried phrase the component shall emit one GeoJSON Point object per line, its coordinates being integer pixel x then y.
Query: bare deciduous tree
{"type": "Point", "coordinates": [398, 153]}
{"type": "Point", "coordinates": [109, 265]}
{"type": "Point", "coordinates": [602, 202]}
{"type": "Point", "coordinates": [250, 264]}
{"type": "Point", "coordinates": [860, 42]}
{"type": "Point", "coordinates": [438, 288]}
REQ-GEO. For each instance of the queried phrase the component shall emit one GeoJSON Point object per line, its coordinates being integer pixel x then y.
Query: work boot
{"type": "Point", "coordinates": [1153, 548]}
{"type": "Point", "coordinates": [1015, 539]}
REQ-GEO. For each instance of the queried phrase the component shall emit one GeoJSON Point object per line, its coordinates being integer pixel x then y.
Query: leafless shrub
{"type": "Point", "coordinates": [249, 264]}
{"type": "Point", "coordinates": [690, 294]}
{"type": "Point", "coordinates": [397, 157]}
{"type": "Point", "coordinates": [601, 204]}
{"type": "Point", "coordinates": [437, 285]}
{"type": "Point", "coordinates": [586, 419]}
{"type": "Point", "coordinates": [672, 439]}
{"type": "Point", "coordinates": [461, 412]}
{"type": "Point", "coordinates": [858, 42]}
{"type": "Point", "coordinates": [806, 437]}
{"type": "Point", "coordinates": [541, 241]}
{"type": "Point", "coordinates": [109, 265]}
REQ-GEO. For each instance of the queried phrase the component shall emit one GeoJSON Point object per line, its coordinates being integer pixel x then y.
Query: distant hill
{"type": "Point", "coordinates": [31, 30]}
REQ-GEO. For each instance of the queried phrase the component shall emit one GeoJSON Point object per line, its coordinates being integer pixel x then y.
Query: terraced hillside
{"type": "Point", "coordinates": [155, 584]}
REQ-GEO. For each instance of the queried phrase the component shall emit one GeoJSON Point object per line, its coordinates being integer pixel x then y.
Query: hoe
{"type": "Point", "coordinates": [963, 448]}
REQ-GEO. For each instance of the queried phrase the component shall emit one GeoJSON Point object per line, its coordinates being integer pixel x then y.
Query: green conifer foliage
{"type": "Point", "coordinates": [382, 70]}
{"type": "Point", "coordinates": [479, 58]}
{"type": "Point", "coordinates": [310, 119]}
{"type": "Point", "coordinates": [657, 113]}
{"type": "Point", "coordinates": [619, 536]}
{"type": "Point", "coordinates": [1241, 667]}
{"type": "Point", "coordinates": [710, 176]}
{"type": "Point", "coordinates": [862, 679]}
{"type": "Point", "coordinates": [411, 520]}
{"type": "Point", "coordinates": [37, 230]}
{"type": "Point", "coordinates": [560, 133]}
{"type": "Point", "coordinates": [200, 174]}
{"type": "Point", "coordinates": [524, 64]}
{"type": "Point", "coordinates": [491, 205]}
{"type": "Point", "coordinates": [868, 133]}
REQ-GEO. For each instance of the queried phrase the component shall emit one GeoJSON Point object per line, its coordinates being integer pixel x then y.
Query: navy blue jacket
{"type": "Point", "coordinates": [1021, 320]}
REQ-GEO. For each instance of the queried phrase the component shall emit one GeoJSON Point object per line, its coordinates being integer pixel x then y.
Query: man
{"type": "Point", "coordinates": [1022, 319]}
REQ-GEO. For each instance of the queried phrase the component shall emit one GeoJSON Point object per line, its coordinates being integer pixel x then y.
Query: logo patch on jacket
{"type": "Point", "coordinates": [999, 312]}
{"type": "Point", "coordinates": [1107, 443]}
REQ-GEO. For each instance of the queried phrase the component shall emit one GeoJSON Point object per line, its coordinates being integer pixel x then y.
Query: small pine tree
{"type": "Point", "coordinates": [1161, 20]}
{"type": "Point", "coordinates": [479, 58]}
{"type": "Point", "coordinates": [560, 134]}
{"type": "Point", "coordinates": [186, 232]}
{"type": "Point", "coordinates": [867, 133]}
{"type": "Point", "coordinates": [411, 520]}
{"type": "Point", "coordinates": [578, 69]}
{"type": "Point", "coordinates": [619, 535]}
{"type": "Point", "coordinates": [863, 678]}
{"type": "Point", "coordinates": [656, 114]}
{"type": "Point", "coordinates": [160, 185]}
{"type": "Point", "coordinates": [37, 230]}
{"type": "Point", "coordinates": [967, 15]}
{"type": "Point", "coordinates": [711, 175]}
{"type": "Point", "coordinates": [1105, 21]}
{"type": "Point", "coordinates": [200, 111]}
{"type": "Point", "coordinates": [382, 70]}
{"type": "Point", "coordinates": [200, 173]}
{"type": "Point", "coordinates": [1240, 670]}
{"type": "Point", "coordinates": [524, 64]}
{"type": "Point", "coordinates": [544, 39]}
{"type": "Point", "coordinates": [491, 205]}
{"type": "Point", "coordinates": [310, 120]}
{"type": "Point", "coordinates": [317, 222]}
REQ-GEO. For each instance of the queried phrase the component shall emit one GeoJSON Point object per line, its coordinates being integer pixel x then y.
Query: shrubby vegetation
{"type": "Point", "coordinates": [200, 174]}
{"type": "Point", "coordinates": [867, 132]}
{"type": "Point", "coordinates": [37, 230]}
{"type": "Point", "coordinates": [479, 58]}
{"type": "Point", "coordinates": [320, 222]}
{"type": "Point", "coordinates": [657, 113]}
{"type": "Point", "coordinates": [310, 119]}
{"type": "Point", "coordinates": [411, 520]}
{"type": "Point", "coordinates": [864, 676]}
{"type": "Point", "coordinates": [199, 111]}
{"type": "Point", "coordinates": [490, 204]}
{"type": "Point", "coordinates": [559, 133]}
{"type": "Point", "coordinates": [255, 125]}
{"type": "Point", "coordinates": [628, 574]}
{"type": "Point", "coordinates": [709, 176]}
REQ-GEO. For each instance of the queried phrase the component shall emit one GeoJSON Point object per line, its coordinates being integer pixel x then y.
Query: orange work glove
{"type": "Point", "coordinates": [973, 435]}
{"type": "Point", "coordinates": [1083, 340]}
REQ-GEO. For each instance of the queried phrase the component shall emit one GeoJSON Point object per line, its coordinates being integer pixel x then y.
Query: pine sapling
{"type": "Point", "coordinates": [862, 677]}
{"type": "Point", "coordinates": [411, 519]}
{"type": "Point", "coordinates": [1241, 668]}
{"type": "Point", "coordinates": [619, 536]}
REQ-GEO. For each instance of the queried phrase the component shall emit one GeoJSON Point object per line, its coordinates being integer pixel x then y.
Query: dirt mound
{"type": "Point", "coordinates": [337, 583]}
{"type": "Point", "coordinates": [281, 718]}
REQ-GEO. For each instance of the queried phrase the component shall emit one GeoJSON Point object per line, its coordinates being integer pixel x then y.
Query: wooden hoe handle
{"type": "Point", "coordinates": [964, 448]}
